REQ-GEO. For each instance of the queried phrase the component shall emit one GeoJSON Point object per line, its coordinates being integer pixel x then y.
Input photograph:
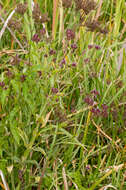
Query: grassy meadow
{"type": "Point", "coordinates": [62, 95]}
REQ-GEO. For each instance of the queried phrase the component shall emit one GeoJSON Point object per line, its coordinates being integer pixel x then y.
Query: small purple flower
{"type": "Point", "coordinates": [73, 110]}
{"type": "Point", "coordinates": [89, 101]}
{"type": "Point", "coordinates": [104, 113]}
{"type": "Point", "coordinates": [54, 90]}
{"type": "Point", "coordinates": [74, 64]}
{"type": "Point", "coordinates": [63, 61]}
{"type": "Point", "coordinates": [90, 46]}
{"type": "Point", "coordinates": [54, 60]}
{"type": "Point", "coordinates": [52, 52]}
{"type": "Point", "coordinates": [22, 78]}
{"type": "Point", "coordinates": [74, 46]}
{"type": "Point", "coordinates": [43, 31]}
{"type": "Point", "coordinates": [57, 99]}
{"type": "Point", "coordinates": [104, 107]}
{"type": "Point", "coordinates": [97, 47]}
{"type": "Point", "coordinates": [39, 73]}
{"type": "Point", "coordinates": [86, 60]}
{"type": "Point", "coordinates": [95, 92]}
{"type": "Point", "coordinates": [95, 111]}
{"type": "Point", "coordinates": [9, 74]}
{"type": "Point", "coordinates": [5, 88]}
{"type": "Point", "coordinates": [46, 55]}
{"type": "Point", "coordinates": [83, 52]}
{"type": "Point", "coordinates": [61, 65]}
{"type": "Point", "coordinates": [35, 38]}
{"type": "Point", "coordinates": [88, 167]}
{"type": "Point", "coordinates": [2, 84]}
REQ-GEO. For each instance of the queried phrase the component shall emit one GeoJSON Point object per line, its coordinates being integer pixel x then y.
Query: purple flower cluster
{"type": "Point", "coordinates": [63, 62]}
{"type": "Point", "coordinates": [70, 34]}
{"type": "Point", "coordinates": [54, 90]}
{"type": "Point", "coordinates": [95, 92]}
{"type": "Point", "coordinates": [90, 100]}
{"type": "Point", "coordinates": [37, 36]}
{"type": "Point", "coordinates": [95, 111]}
{"type": "Point", "coordinates": [97, 47]}
{"type": "Point", "coordinates": [74, 46]}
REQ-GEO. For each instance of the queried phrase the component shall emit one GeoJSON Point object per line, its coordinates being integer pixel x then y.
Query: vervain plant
{"type": "Point", "coordinates": [62, 95]}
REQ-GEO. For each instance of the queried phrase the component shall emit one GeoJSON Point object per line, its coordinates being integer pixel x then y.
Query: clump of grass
{"type": "Point", "coordinates": [62, 98]}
